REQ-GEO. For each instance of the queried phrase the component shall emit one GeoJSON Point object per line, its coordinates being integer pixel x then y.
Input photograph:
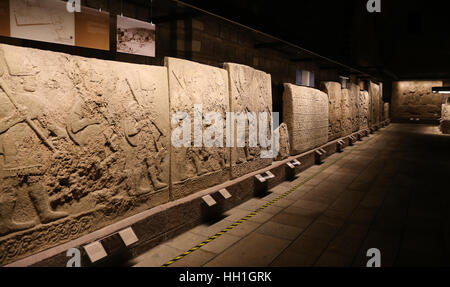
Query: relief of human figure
{"type": "Point", "coordinates": [153, 154]}
{"type": "Point", "coordinates": [78, 123]}
{"type": "Point", "coordinates": [15, 164]}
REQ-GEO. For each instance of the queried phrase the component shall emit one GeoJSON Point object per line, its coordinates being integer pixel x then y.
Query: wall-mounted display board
{"type": "Point", "coordinates": [135, 37]}
{"type": "Point", "coordinates": [44, 20]}
{"type": "Point", "coordinates": [92, 29]}
{"type": "Point", "coordinates": [49, 21]}
{"type": "Point", "coordinates": [4, 18]}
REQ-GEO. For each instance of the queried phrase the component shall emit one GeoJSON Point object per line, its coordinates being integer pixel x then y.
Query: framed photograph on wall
{"type": "Point", "coordinates": [135, 37]}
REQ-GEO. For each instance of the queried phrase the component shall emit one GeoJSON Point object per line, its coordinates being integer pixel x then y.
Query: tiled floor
{"type": "Point", "coordinates": [388, 192]}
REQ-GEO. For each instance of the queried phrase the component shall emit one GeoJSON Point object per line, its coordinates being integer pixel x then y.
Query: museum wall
{"type": "Point", "coordinates": [198, 37]}
{"type": "Point", "coordinates": [87, 142]}
{"type": "Point", "coordinates": [414, 99]}
{"type": "Point", "coordinates": [85, 136]}
{"type": "Point", "coordinates": [306, 116]}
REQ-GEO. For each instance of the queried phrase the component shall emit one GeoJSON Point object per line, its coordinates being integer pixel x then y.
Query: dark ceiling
{"type": "Point", "coordinates": [407, 40]}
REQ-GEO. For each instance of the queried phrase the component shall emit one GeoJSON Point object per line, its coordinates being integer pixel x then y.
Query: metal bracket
{"type": "Point", "coordinates": [128, 236]}
{"type": "Point", "coordinates": [352, 140]}
{"type": "Point", "coordinates": [340, 145]}
{"type": "Point", "coordinates": [209, 200]}
{"type": "Point", "coordinates": [264, 176]}
{"type": "Point", "coordinates": [95, 251]}
{"type": "Point", "coordinates": [293, 163]}
{"type": "Point", "coordinates": [320, 155]}
{"type": "Point", "coordinates": [225, 194]}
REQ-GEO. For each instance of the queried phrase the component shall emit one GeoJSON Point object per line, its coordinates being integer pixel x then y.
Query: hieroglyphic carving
{"type": "Point", "coordinates": [77, 136]}
{"type": "Point", "coordinates": [334, 91]}
{"type": "Point", "coordinates": [195, 168]}
{"type": "Point", "coordinates": [355, 100]}
{"type": "Point", "coordinates": [306, 114]}
{"type": "Point", "coordinates": [250, 92]}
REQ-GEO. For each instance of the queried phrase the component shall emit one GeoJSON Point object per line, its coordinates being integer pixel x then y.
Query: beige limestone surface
{"type": "Point", "coordinates": [284, 144]}
{"type": "Point", "coordinates": [250, 92]}
{"type": "Point", "coordinates": [414, 99]}
{"type": "Point", "coordinates": [83, 143]}
{"type": "Point", "coordinates": [445, 120]}
{"type": "Point", "coordinates": [347, 112]}
{"type": "Point", "coordinates": [306, 115]}
{"type": "Point", "coordinates": [355, 104]}
{"type": "Point", "coordinates": [334, 92]}
{"type": "Point", "coordinates": [386, 111]}
{"type": "Point", "coordinates": [374, 94]}
{"type": "Point", "coordinates": [198, 167]}
{"type": "Point", "coordinates": [364, 109]}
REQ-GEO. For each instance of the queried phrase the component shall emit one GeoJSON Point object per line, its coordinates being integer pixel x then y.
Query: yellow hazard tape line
{"type": "Point", "coordinates": [254, 213]}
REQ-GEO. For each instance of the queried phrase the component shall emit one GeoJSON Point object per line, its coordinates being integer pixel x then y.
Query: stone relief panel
{"type": "Point", "coordinates": [83, 143]}
{"type": "Point", "coordinates": [374, 93]}
{"type": "Point", "coordinates": [347, 112]}
{"type": "Point", "coordinates": [355, 104]}
{"type": "Point", "coordinates": [306, 115]}
{"type": "Point", "coordinates": [334, 92]}
{"type": "Point", "coordinates": [414, 99]}
{"type": "Point", "coordinates": [445, 120]}
{"type": "Point", "coordinates": [284, 148]}
{"type": "Point", "coordinates": [250, 92]}
{"type": "Point", "coordinates": [364, 109]}
{"type": "Point", "coordinates": [386, 111]}
{"type": "Point", "coordinates": [198, 167]}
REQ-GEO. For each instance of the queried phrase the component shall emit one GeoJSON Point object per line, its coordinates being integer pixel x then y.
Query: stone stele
{"type": "Point", "coordinates": [414, 99]}
{"type": "Point", "coordinates": [306, 115]}
{"type": "Point", "coordinates": [198, 167]}
{"type": "Point", "coordinates": [374, 94]}
{"type": "Point", "coordinates": [445, 120]}
{"type": "Point", "coordinates": [386, 111]}
{"type": "Point", "coordinates": [250, 92]}
{"type": "Point", "coordinates": [364, 109]}
{"type": "Point", "coordinates": [347, 112]}
{"type": "Point", "coordinates": [284, 146]}
{"type": "Point", "coordinates": [355, 100]}
{"type": "Point", "coordinates": [334, 91]}
{"type": "Point", "coordinates": [83, 143]}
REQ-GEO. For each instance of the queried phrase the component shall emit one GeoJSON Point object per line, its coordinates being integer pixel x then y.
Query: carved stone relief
{"type": "Point", "coordinates": [196, 168]}
{"type": "Point", "coordinates": [374, 93]}
{"type": "Point", "coordinates": [355, 103]}
{"type": "Point", "coordinates": [445, 120]}
{"type": "Point", "coordinates": [347, 112]}
{"type": "Point", "coordinates": [306, 115]}
{"type": "Point", "coordinates": [364, 109]}
{"type": "Point", "coordinates": [284, 148]}
{"type": "Point", "coordinates": [334, 92]}
{"type": "Point", "coordinates": [414, 99]}
{"type": "Point", "coordinates": [250, 92]}
{"type": "Point", "coordinates": [83, 143]}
